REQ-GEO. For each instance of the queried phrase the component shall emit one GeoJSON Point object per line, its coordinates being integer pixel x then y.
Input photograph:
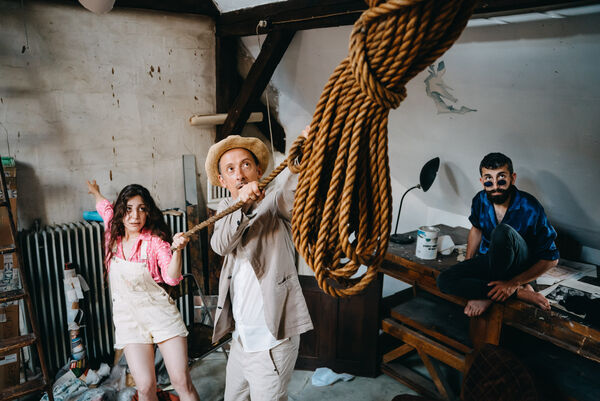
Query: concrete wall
{"type": "Point", "coordinates": [105, 97]}
{"type": "Point", "coordinates": [536, 88]}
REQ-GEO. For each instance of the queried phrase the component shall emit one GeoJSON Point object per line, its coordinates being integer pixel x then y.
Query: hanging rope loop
{"type": "Point", "coordinates": [342, 208]}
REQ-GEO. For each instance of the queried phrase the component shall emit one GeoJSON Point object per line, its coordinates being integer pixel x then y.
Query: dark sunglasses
{"type": "Point", "coordinates": [500, 183]}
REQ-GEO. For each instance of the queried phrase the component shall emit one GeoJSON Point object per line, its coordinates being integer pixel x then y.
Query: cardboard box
{"type": "Point", "coordinates": [9, 363]}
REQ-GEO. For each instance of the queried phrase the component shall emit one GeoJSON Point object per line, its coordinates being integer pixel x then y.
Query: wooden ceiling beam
{"type": "Point", "coordinates": [254, 85]}
{"type": "Point", "coordinates": [294, 14]}
{"type": "Point", "coordinates": [203, 7]}
{"type": "Point", "coordinates": [309, 14]}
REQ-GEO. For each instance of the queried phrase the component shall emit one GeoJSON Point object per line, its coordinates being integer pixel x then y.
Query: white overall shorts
{"type": "Point", "coordinates": [143, 313]}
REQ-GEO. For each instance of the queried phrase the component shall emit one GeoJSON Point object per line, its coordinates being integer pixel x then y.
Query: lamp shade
{"type": "Point", "coordinates": [428, 173]}
{"type": "Point", "coordinates": [98, 6]}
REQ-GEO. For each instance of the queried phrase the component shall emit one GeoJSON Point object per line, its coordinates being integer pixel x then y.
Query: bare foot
{"type": "Point", "coordinates": [527, 294]}
{"type": "Point", "coordinates": [476, 307]}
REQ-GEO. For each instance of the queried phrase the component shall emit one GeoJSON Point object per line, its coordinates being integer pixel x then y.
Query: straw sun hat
{"type": "Point", "coordinates": [254, 145]}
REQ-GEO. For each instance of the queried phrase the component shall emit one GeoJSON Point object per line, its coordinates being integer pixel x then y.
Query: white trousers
{"type": "Point", "coordinates": [262, 375]}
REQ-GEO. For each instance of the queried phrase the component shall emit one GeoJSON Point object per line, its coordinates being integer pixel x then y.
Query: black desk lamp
{"type": "Point", "coordinates": [426, 178]}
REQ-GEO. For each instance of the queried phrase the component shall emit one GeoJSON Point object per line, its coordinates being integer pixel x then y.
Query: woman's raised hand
{"type": "Point", "coordinates": [93, 188]}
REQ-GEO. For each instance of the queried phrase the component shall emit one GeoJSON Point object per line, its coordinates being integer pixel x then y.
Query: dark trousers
{"type": "Point", "coordinates": [507, 257]}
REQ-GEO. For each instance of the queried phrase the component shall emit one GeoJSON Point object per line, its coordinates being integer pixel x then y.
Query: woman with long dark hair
{"type": "Point", "coordinates": [138, 257]}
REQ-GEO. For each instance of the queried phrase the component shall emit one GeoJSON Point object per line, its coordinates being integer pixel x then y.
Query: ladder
{"type": "Point", "coordinates": [15, 344]}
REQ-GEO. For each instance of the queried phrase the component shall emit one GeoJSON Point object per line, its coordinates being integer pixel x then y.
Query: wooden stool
{"type": "Point", "coordinates": [437, 330]}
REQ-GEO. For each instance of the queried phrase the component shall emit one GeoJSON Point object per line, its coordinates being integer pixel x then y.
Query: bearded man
{"type": "Point", "coordinates": [510, 244]}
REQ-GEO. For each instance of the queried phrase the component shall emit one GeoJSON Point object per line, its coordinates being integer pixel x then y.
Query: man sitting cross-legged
{"type": "Point", "coordinates": [510, 243]}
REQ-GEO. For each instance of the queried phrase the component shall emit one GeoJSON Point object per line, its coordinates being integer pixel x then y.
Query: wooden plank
{"type": "Point", "coordinates": [198, 267]}
{"type": "Point", "coordinates": [7, 249]}
{"type": "Point", "coordinates": [294, 14]}
{"type": "Point", "coordinates": [397, 353]}
{"type": "Point", "coordinates": [434, 320]}
{"type": "Point", "coordinates": [311, 14]}
{"type": "Point", "coordinates": [435, 349]}
{"type": "Point", "coordinates": [255, 83]}
{"type": "Point", "coordinates": [8, 345]}
{"type": "Point", "coordinates": [436, 377]}
{"type": "Point", "coordinates": [411, 379]}
{"type": "Point", "coordinates": [423, 278]}
{"type": "Point", "coordinates": [215, 262]}
{"type": "Point", "coordinates": [23, 389]}
{"type": "Point", "coordinates": [405, 254]}
{"type": "Point", "coordinates": [10, 296]}
{"type": "Point", "coordinates": [486, 329]}
{"type": "Point", "coordinates": [492, 8]}
{"type": "Point", "coordinates": [554, 328]}
{"type": "Point", "coordinates": [197, 261]}
{"type": "Point", "coordinates": [204, 7]}
{"type": "Point", "coordinates": [228, 84]}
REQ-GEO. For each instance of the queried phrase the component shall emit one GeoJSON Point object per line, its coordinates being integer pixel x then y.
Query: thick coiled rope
{"type": "Point", "coordinates": [342, 208]}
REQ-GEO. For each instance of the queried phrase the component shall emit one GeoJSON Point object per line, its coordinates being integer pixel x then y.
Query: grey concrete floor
{"type": "Point", "coordinates": [208, 376]}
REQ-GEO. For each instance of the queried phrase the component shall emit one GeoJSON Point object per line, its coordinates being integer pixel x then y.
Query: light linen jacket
{"type": "Point", "coordinates": [263, 237]}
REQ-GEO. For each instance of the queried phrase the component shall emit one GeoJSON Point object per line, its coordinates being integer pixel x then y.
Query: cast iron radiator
{"type": "Point", "coordinates": [45, 253]}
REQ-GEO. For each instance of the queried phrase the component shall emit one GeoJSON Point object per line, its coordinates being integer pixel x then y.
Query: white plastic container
{"type": "Point", "coordinates": [427, 242]}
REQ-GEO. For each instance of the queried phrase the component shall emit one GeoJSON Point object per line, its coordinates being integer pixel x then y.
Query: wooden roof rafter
{"type": "Point", "coordinates": [310, 14]}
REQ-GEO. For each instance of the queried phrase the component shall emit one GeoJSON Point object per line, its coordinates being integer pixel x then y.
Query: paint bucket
{"type": "Point", "coordinates": [427, 242]}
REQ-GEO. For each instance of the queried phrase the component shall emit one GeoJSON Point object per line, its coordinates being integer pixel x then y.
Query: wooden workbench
{"type": "Point", "coordinates": [552, 326]}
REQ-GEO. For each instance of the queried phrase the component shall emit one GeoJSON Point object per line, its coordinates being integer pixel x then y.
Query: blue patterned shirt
{"type": "Point", "coordinates": [525, 215]}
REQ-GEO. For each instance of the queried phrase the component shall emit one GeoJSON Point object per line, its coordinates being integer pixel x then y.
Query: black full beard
{"type": "Point", "coordinates": [502, 197]}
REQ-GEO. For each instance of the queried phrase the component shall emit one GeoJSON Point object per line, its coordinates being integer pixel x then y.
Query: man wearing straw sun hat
{"type": "Point", "coordinates": [260, 299]}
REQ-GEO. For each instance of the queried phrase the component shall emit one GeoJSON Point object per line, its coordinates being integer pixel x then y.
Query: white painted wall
{"type": "Point", "coordinates": [101, 96]}
{"type": "Point", "coordinates": [536, 88]}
